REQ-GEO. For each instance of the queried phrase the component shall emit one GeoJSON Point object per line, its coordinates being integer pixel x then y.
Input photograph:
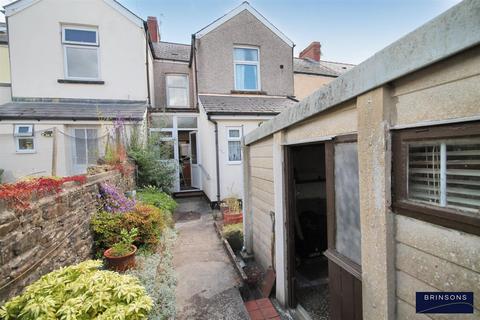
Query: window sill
{"type": "Point", "coordinates": [80, 81]}
{"type": "Point", "coordinates": [445, 217]}
{"type": "Point", "coordinates": [235, 163]}
{"type": "Point", "coordinates": [25, 152]}
{"type": "Point", "coordinates": [257, 92]}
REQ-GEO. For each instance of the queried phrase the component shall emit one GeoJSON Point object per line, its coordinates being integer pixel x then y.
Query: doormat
{"type": "Point", "coordinates": [180, 216]}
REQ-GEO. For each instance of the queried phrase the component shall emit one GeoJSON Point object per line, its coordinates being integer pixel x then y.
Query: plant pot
{"type": "Point", "coordinates": [121, 263]}
{"type": "Point", "coordinates": [232, 217]}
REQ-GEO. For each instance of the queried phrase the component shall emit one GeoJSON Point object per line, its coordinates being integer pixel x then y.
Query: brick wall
{"type": "Point", "coordinates": [52, 233]}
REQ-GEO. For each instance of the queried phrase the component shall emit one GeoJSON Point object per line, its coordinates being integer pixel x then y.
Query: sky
{"type": "Point", "coordinates": [349, 31]}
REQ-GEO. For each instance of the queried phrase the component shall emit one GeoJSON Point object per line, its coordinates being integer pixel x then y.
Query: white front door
{"type": "Point", "coordinates": [194, 160]}
{"type": "Point", "coordinates": [85, 149]}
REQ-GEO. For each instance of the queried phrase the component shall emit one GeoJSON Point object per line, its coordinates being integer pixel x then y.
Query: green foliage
{"type": "Point", "coordinates": [155, 197]}
{"type": "Point", "coordinates": [124, 246]}
{"type": "Point", "coordinates": [149, 220]}
{"type": "Point", "coordinates": [157, 274]}
{"type": "Point", "coordinates": [151, 170]}
{"type": "Point", "coordinates": [81, 292]}
{"type": "Point", "coordinates": [234, 235]}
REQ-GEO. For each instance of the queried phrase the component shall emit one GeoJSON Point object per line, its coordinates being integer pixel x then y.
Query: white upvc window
{"type": "Point", "coordinates": [246, 68]}
{"type": "Point", "coordinates": [234, 141]}
{"type": "Point", "coordinates": [24, 138]}
{"type": "Point", "coordinates": [81, 53]}
{"type": "Point", "coordinates": [86, 147]}
{"type": "Point", "coordinates": [177, 90]}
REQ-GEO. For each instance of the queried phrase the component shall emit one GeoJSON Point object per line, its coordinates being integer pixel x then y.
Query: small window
{"type": "Point", "coordinates": [24, 139]}
{"type": "Point", "coordinates": [80, 46]}
{"type": "Point", "coordinates": [177, 91]}
{"type": "Point", "coordinates": [437, 174]}
{"type": "Point", "coordinates": [246, 62]}
{"type": "Point", "coordinates": [234, 145]}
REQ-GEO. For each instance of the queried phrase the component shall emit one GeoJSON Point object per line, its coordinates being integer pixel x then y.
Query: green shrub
{"type": "Point", "coordinates": [157, 198]}
{"type": "Point", "coordinates": [81, 292]}
{"type": "Point", "coordinates": [124, 246]}
{"type": "Point", "coordinates": [149, 220]}
{"type": "Point", "coordinates": [234, 235]}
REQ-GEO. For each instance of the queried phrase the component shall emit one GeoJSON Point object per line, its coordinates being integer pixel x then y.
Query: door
{"type": "Point", "coordinates": [194, 166]}
{"type": "Point", "coordinates": [85, 149]}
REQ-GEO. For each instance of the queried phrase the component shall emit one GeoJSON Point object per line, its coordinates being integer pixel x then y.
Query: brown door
{"type": "Point", "coordinates": [343, 221]}
{"type": "Point", "coordinates": [290, 218]}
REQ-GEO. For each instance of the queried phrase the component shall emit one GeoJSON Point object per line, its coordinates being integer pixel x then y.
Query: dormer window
{"type": "Point", "coordinates": [80, 48]}
{"type": "Point", "coordinates": [246, 68]}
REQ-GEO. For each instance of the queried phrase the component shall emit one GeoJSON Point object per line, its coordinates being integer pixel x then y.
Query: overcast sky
{"type": "Point", "coordinates": [349, 30]}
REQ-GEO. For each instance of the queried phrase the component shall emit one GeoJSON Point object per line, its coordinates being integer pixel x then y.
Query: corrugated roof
{"type": "Point", "coordinates": [325, 68]}
{"type": "Point", "coordinates": [172, 51]}
{"type": "Point", "coordinates": [71, 111]}
{"type": "Point", "coordinates": [228, 104]}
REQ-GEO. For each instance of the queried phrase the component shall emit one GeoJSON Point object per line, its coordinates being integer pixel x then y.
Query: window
{"type": "Point", "coordinates": [246, 62]}
{"type": "Point", "coordinates": [234, 137]}
{"type": "Point", "coordinates": [437, 175]}
{"type": "Point", "coordinates": [24, 139]}
{"type": "Point", "coordinates": [177, 90]}
{"type": "Point", "coordinates": [86, 147]}
{"type": "Point", "coordinates": [80, 47]}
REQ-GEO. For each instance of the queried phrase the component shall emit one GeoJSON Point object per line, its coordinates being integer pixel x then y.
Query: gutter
{"type": "Point", "coordinates": [217, 157]}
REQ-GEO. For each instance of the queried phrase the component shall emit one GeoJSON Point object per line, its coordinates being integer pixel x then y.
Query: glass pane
{"type": "Point", "coordinates": [25, 143]}
{"type": "Point", "coordinates": [424, 173]}
{"type": "Point", "coordinates": [85, 36]}
{"type": "Point", "coordinates": [177, 97]}
{"type": "Point", "coordinates": [243, 54]}
{"type": "Point", "coordinates": [23, 129]}
{"type": "Point", "coordinates": [234, 133]}
{"type": "Point", "coordinates": [82, 62]}
{"type": "Point", "coordinates": [164, 149]}
{"type": "Point", "coordinates": [246, 77]}
{"type": "Point", "coordinates": [80, 147]}
{"type": "Point", "coordinates": [177, 81]}
{"type": "Point", "coordinates": [187, 122]}
{"type": "Point", "coordinates": [347, 203]}
{"type": "Point", "coordinates": [161, 121]}
{"type": "Point", "coordinates": [92, 146]}
{"type": "Point", "coordinates": [234, 151]}
{"type": "Point", "coordinates": [193, 146]}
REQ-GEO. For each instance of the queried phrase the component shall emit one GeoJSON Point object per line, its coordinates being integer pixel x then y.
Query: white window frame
{"type": "Point", "coordinates": [229, 138]}
{"type": "Point", "coordinates": [20, 136]}
{"type": "Point", "coordinates": [167, 87]}
{"type": "Point", "coordinates": [74, 145]}
{"type": "Point", "coordinates": [255, 63]}
{"type": "Point", "coordinates": [83, 45]}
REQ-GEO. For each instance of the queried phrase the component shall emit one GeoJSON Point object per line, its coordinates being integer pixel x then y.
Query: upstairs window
{"type": "Point", "coordinates": [80, 48]}
{"type": "Point", "coordinates": [246, 69]}
{"type": "Point", "coordinates": [234, 136]}
{"type": "Point", "coordinates": [437, 175]}
{"type": "Point", "coordinates": [177, 90]}
{"type": "Point", "coordinates": [24, 139]}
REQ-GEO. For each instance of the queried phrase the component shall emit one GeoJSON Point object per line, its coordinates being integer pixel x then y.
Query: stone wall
{"type": "Point", "coordinates": [52, 233]}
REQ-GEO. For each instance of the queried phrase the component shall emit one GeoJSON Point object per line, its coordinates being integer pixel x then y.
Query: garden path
{"type": "Point", "coordinates": [207, 282]}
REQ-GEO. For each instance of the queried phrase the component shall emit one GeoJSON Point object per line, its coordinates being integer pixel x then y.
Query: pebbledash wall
{"type": "Point", "coordinates": [400, 255]}
{"type": "Point", "coordinates": [54, 232]}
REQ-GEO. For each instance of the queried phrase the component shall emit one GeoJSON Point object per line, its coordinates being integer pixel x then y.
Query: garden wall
{"type": "Point", "coordinates": [52, 233]}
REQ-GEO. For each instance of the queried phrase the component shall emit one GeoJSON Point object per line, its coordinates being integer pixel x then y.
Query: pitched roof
{"type": "Point", "coordinates": [171, 51]}
{"type": "Point", "coordinates": [245, 105]}
{"type": "Point", "coordinates": [71, 111]}
{"type": "Point", "coordinates": [325, 68]}
{"type": "Point", "coordinates": [244, 6]}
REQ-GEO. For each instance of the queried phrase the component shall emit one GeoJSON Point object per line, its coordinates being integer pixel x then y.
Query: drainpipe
{"type": "Point", "coordinates": [147, 66]}
{"type": "Point", "coordinates": [217, 157]}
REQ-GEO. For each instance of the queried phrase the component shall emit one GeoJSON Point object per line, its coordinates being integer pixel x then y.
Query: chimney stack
{"type": "Point", "coordinates": [312, 51]}
{"type": "Point", "coordinates": [153, 29]}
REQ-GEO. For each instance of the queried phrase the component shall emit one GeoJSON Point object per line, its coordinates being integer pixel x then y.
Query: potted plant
{"type": "Point", "coordinates": [232, 211]}
{"type": "Point", "coordinates": [121, 256]}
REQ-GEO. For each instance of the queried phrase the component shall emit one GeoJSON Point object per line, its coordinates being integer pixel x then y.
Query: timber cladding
{"type": "Point", "coordinates": [262, 195]}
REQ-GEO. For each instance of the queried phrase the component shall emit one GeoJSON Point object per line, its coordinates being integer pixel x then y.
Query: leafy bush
{"type": "Point", "coordinates": [149, 220]}
{"type": "Point", "coordinates": [151, 170]}
{"type": "Point", "coordinates": [234, 235]}
{"type": "Point", "coordinates": [155, 197]}
{"type": "Point", "coordinates": [156, 273]}
{"type": "Point", "coordinates": [113, 200]}
{"type": "Point", "coordinates": [81, 292]}
{"type": "Point", "coordinates": [124, 246]}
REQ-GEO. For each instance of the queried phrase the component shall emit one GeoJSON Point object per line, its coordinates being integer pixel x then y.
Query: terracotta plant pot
{"type": "Point", "coordinates": [121, 263]}
{"type": "Point", "coordinates": [232, 217]}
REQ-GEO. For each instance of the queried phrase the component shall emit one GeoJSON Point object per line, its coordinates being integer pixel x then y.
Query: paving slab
{"type": "Point", "coordinates": [207, 285]}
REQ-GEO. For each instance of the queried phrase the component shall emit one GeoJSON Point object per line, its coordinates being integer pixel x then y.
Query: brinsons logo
{"type": "Point", "coordinates": [444, 302]}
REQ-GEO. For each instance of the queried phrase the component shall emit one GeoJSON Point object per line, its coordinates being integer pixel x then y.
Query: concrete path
{"type": "Point", "coordinates": [207, 282]}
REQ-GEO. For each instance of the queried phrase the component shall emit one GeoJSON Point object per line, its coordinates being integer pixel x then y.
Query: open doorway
{"type": "Point", "coordinates": [188, 160]}
{"type": "Point", "coordinates": [308, 230]}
